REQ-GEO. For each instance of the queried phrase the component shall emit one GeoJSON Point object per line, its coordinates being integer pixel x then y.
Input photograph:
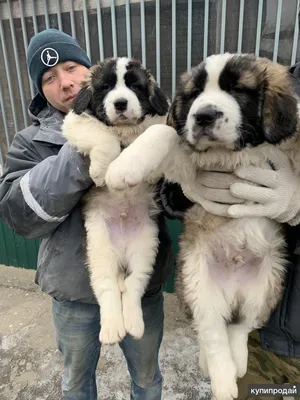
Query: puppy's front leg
{"type": "Point", "coordinates": [145, 157]}
{"type": "Point", "coordinates": [103, 266]}
{"type": "Point", "coordinates": [101, 156]}
{"type": "Point", "coordinates": [83, 132]}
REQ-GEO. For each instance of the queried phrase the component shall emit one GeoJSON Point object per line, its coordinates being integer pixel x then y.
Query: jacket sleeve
{"type": "Point", "coordinates": [173, 201]}
{"type": "Point", "coordinates": [36, 195]}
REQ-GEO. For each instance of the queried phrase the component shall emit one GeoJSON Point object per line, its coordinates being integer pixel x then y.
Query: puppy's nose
{"type": "Point", "coordinates": [121, 104]}
{"type": "Point", "coordinates": [206, 116]}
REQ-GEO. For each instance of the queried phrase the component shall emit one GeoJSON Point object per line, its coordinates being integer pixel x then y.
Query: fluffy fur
{"type": "Point", "coordinates": [118, 101]}
{"type": "Point", "coordinates": [230, 111]}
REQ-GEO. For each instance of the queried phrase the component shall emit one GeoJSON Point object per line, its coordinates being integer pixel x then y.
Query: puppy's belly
{"type": "Point", "coordinates": [125, 222]}
{"type": "Point", "coordinates": [233, 269]}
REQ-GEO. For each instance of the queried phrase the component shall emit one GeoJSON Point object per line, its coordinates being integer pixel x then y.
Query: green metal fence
{"type": "Point", "coordinates": [17, 251]}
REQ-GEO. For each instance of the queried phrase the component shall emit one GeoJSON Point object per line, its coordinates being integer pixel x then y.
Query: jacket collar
{"type": "Point", "coordinates": [49, 119]}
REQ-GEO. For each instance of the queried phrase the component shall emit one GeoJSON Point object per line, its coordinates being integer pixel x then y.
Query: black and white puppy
{"type": "Point", "coordinates": [118, 101]}
{"type": "Point", "coordinates": [230, 111]}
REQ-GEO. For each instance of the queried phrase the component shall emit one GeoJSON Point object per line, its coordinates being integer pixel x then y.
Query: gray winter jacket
{"type": "Point", "coordinates": [40, 190]}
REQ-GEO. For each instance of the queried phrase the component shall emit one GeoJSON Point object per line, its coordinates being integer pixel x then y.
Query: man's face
{"type": "Point", "coordinates": [61, 84]}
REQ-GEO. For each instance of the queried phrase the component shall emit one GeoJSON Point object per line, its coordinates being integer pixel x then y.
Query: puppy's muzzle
{"type": "Point", "coordinates": [204, 121]}
{"type": "Point", "coordinates": [121, 105]}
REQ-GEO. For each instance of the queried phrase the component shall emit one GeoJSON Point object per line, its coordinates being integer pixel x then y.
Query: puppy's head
{"type": "Point", "coordinates": [234, 101]}
{"type": "Point", "coordinates": [120, 91]}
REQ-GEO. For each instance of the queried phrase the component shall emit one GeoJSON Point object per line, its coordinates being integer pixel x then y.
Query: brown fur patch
{"type": "Point", "coordinates": [171, 117]}
{"type": "Point", "coordinates": [187, 82]}
{"type": "Point", "coordinates": [248, 79]}
{"type": "Point", "coordinates": [152, 83]}
{"type": "Point", "coordinates": [278, 83]}
{"type": "Point", "coordinates": [277, 76]}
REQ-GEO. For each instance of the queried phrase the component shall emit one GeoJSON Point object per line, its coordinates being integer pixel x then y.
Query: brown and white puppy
{"type": "Point", "coordinates": [119, 100]}
{"type": "Point", "coordinates": [230, 111]}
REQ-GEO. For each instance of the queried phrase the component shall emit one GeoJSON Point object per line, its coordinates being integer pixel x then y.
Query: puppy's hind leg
{"type": "Point", "coordinates": [103, 266]}
{"type": "Point", "coordinates": [141, 254]}
{"type": "Point", "coordinates": [209, 309]}
{"type": "Point", "coordinates": [203, 362]}
{"type": "Point", "coordinates": [238, 339]}
{"type": "Point", "coordinates": [214, 341]}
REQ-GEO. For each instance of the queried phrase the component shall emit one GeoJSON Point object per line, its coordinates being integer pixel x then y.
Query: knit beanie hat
{"type": "Point", "coordinates": [49, 47]}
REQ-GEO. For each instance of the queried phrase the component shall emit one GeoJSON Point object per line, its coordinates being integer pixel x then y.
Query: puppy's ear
{"type": "Point", "coordinates": [176, 117]}
{"type": "Point", "coordinates": [171, 119]}
{"type": "Point", "coordinates": [280, 111]}
{"type": "Point", "coordinates": [82, 100]}
{"type": "Point", "coordinates": [158, 100]}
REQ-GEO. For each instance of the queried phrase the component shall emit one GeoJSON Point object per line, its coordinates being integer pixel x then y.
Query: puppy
{"type": "Point", "coordinates": [230, 111]}
{"type": "Point", "coordinates": [118, 101]}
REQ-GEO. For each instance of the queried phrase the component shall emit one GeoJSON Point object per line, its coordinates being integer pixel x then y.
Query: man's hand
{"type": "Point", "coordinates": [211, 189]}
{"type": "Point", "coordinates": [276, 194]}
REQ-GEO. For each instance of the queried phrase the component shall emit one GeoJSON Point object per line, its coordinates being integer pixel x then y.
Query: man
{"type": "Point", "coordinates": [274, 350]}
{"type": "Point", "coordinates": [40, 190]}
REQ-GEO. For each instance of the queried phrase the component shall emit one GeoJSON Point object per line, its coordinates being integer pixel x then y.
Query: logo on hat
{"type": "Point", "coordinates": [49, 57]}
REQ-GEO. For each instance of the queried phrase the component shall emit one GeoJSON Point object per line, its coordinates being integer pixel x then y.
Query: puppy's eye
{"type": "Point", "coordinates": [136, 86]}
{"type": "Point", "coordinates": [105, 86]}
{"type": "Point", "coordinates": [242, 89]}
{"type": "Point", "coordinates": [195, 93]}
{"type": "Point", "coordinates": [237, 89]}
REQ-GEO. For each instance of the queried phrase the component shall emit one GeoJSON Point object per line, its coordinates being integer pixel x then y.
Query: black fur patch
{"type": "Point", "coordinates": [151, 98]}
{"type": "Point", "coordinates": [249, 100]}
{"type": "Point", "coordinates": [235, 318]}
{"type": "Point", "coordinates": [283, 123]}
{"type": "Point", "coordinates": [188, 91]}
{"type": "Point", "coordinates": [104, 79]}
{"type": "Point", "coordinates": [82, 100]}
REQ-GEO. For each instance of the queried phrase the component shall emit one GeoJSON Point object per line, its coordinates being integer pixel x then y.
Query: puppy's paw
{"type": "Point", "coordinates": [203, 363]}
{"type": "Point", "coordinates": [239, 349]}
{"type": "Point", "coordinates": [225, 390]}
{"type": "Point", "coordinates": [97, 174]}
{"type": "Point", "coordinates": [112, 330]}
{"type": "Point", "coordinates": [115, 178]}
{"type": "Point", "coordinates": [122, 174]}
{"type": "Point", "coordinates": [133, 317]}
{"type": "Point", "coordinates": [223, 384]}
{"type": "Point", "coordinates": [241, 362]}
{"type": "Point", "coordinates": [134, 324]}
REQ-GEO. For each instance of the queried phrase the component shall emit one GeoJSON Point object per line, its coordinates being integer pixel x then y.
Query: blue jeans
{"type": "Point", "coordinates": [77, 329]}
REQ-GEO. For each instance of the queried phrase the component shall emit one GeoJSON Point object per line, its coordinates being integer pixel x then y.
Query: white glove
{"type": "Point", "coordinates": [211, 189]}
{"type": "Point", "coordinates": [277, 195]}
